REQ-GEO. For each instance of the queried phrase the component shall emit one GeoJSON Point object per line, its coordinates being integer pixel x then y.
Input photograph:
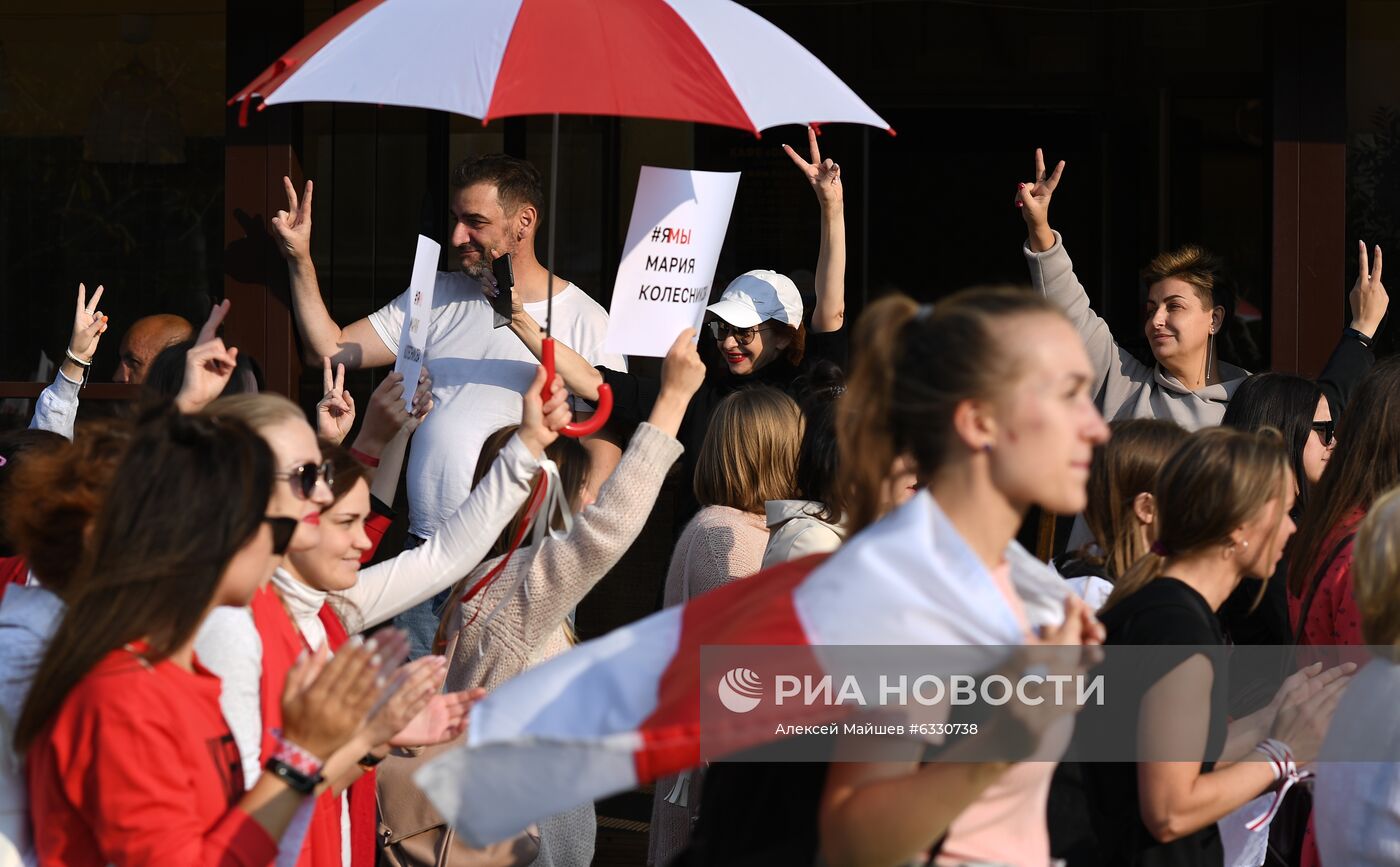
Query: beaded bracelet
{"type": "Point", "coordinates": [294, 765]}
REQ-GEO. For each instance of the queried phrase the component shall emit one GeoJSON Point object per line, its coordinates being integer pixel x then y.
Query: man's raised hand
{"type": "Point", "coordinates": [88, 325]}
{"type": "Point", "coordinates": [1033, 199]}
{"type": "Point", "coordinates": [823, 175]}
{"type": "Point", "coordinates": [293, 226]}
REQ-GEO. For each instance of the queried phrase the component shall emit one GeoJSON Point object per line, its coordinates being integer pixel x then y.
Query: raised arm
{"type": "Point", "coordinates": [563, 571]}
{"type": "Point", "coordinates": [357, 345]}
{"type": "Point", "coordinates": [57, 407]}
{"type": "Point", "coordinates": [825, 178]}
{"type": "Point", "coordinates": [1052, 275]}
{"type": "Point", "coordinates": [395, 585]}
{"type": "Point", "coordinates": [1352, 357]}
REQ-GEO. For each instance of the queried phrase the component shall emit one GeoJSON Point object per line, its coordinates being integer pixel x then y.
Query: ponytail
{"type": "Point", "coordinates": [865, 437]}
{"type": "Point", "coordinates": [1147, 568]}
{"type": "Point", "coordinates": [1216, 480]}
{"type": "Point", "coordinates": [913, 366]}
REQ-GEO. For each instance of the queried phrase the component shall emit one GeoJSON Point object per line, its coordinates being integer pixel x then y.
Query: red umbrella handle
{"type": "Point", "coordinates": [605, 398]}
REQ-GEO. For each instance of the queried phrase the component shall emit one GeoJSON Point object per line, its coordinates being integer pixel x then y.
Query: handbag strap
{"type": "Point", "coordinates": [446, 845]}
{"type": "Point", "coordinates": [1315, 584]}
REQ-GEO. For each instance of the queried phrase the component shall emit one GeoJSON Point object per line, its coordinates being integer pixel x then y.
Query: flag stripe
{"type": "Point", "coordinates": [415, 36]}
{"type": "Point", "coordinates": [756, 610]}
{"type": "Point", "coordinates": [631, 58]}
{"type": "Point", "coordinates": [777, 81]}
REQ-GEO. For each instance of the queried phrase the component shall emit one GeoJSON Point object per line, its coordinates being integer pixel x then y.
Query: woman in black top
{"type": "Point", "coordinates": [1223, 502]}
{"type": "Point", "coordinates": [757, 328]}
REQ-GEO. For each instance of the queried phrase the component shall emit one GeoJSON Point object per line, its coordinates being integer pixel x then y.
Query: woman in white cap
{"type": "Point", "coordinates": [757, 326]}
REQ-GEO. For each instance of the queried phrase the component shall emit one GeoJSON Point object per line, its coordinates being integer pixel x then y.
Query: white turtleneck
{"type": "Point", "coordinates": [303, 602]}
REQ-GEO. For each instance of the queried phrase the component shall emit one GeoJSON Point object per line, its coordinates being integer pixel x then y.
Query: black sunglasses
{"type": "Point", "coordinates": [742, 336]}
{"type": "Point", "coordinates": [304, 477]}
{"type": "Point", "coordinates": [282, 530]}
{"type": "Point", "coordinates": [1326, 431]}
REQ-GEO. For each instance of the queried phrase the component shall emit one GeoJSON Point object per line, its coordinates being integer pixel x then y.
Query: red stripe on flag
{"type": "Point", "coordinates": [629, 58]}
{"type": "Point", "coordinates": [272, 78]}
{"type": "Point", "coordinates": [755, 611]}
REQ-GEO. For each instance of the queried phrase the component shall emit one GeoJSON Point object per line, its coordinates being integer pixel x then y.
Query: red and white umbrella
{"type": "Point", "coordinates": [705, 61]}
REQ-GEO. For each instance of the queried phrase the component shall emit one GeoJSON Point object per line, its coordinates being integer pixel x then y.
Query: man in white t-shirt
{"type": "Point", "coordinates": [479, 371]}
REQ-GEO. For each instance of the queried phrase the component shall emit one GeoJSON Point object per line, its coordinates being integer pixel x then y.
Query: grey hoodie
{"type": "Point", "coordinates": [1123, 386]}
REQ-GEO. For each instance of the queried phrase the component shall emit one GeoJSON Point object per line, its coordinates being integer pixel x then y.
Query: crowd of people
{"type": "Point", "coordinates": [206, 659]}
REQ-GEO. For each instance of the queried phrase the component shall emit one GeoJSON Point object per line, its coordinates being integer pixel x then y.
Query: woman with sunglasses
{"type": "Point", "coordinates": [1298, 409]}
{"type": "Point", "coordinates": [251, 649]}
{"type": "Point", "coordinates": [1364, 464]}
{"type": "Point", "coordinates": [754, 335]}
{"type": "Point", "coordinates": [130, 759]}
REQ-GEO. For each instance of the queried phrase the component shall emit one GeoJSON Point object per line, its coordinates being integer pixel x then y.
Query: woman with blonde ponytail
{"type": "Point", "coordinates": [1223, 502]}
{"type": "Point", "coordinates": [987, 396]}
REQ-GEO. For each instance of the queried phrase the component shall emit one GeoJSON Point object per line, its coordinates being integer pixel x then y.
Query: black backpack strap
{"type": "Point", "coordinates": [1315, 584]}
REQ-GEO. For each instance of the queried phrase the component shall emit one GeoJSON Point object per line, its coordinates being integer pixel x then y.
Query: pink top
{"type": "Point", "coordinates": [1001, 827]}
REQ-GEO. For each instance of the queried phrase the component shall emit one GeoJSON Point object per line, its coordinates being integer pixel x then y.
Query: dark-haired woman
{"type": "Point", "coordinates": [1301, 412]}
{"type": "Point", "coordinates": [1364, 464]}
{"type": "Point", "coordinates": [1223, 502]}
{"type": "Point", "coordinates": [130, 760]}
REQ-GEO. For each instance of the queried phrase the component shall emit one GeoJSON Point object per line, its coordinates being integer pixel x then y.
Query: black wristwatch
{"type": "Point", "coordinates": [1365, 341]}
{"type": "Point", "coordinates": [369, 760]}
{"type": "Point", "coordinates": [295, 779]}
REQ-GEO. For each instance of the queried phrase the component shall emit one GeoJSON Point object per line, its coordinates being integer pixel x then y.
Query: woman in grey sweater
{"type": "Point", "coordinates": [1188, 384]}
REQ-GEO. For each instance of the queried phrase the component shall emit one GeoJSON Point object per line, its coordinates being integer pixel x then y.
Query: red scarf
{"type": "Point", "coordinates": [282, 642]}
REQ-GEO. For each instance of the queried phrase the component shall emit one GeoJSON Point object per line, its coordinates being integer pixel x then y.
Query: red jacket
{"type": "Point", "coordinates": [138, 767]}
{"type": "Point", "coordinates": [1333, 617]}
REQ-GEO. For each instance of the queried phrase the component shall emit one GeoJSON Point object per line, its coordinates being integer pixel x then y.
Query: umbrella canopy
{"type": "Point", "coordinates": [705, 61]}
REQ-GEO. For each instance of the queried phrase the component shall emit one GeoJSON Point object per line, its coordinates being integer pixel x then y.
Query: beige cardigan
{"type": "Point", "coordinates": [557, 573]}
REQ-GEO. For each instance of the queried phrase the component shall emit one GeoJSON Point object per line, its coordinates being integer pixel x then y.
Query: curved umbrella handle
{"type": "Point", "coordinates": [605, 399]}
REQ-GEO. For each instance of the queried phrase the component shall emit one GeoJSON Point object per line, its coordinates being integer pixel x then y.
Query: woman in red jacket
{"type": "Point", "coordinates": [129, 758]}
{"type": "Point", "coordinates": [1364, 464]}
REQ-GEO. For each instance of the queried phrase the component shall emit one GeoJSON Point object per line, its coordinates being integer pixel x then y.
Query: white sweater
{"type": "Point", "coordinates": [228, 643]}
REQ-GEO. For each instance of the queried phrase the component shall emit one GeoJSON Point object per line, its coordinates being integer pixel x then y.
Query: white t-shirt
{"type": "Point", "coordinates": [479, 373]}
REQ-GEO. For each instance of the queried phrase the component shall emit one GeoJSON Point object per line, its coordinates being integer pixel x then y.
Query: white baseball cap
{"type": "Point", "coordinates": [758, 296]}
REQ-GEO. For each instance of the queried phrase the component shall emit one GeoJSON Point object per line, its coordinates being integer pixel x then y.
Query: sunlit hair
{"type": "Point", "coordinates": [749, 454]}
{"type": "Point", "coordinates": [1375, 573]}
{"type": "Point", "coordinates": [1191, 264]}
{"type": "Point", "coordinates": [912, 367]}
{"type": "Point", "coordinates": [1122, 468]}
{"type": "Point", "coordinates": [57, 494]}
{"type": "Point", "coordinates": [1215, 481]}
{"type": "Point", "coordinates": [257, 411]}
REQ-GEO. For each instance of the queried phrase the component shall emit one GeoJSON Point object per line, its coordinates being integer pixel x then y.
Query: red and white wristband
{"type": "Point", "coordinates": [1286, 774]}
{"type": "Point", "coordinates": [293, 765]}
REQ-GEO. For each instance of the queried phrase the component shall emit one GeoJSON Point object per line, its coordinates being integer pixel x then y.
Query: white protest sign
{"type": "Point", "coordinates": [673, 243]}
{"type": "Point", "coordinates": [414, 339]}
